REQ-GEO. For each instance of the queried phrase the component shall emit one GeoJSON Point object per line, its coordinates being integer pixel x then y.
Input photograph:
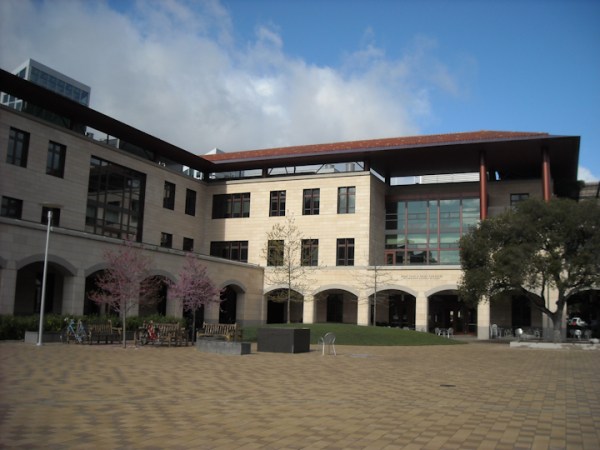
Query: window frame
{"type": "Point", "coordinates": [275, 252]}
{"type": "Point", "coordinates": [345, 252]}
{"type": "Point", "coordinates": [166, 240]}
{"type": "Point", "coordinates": [188, 244]}
{"type": "Point", "coordinates": [346, 200]}
{"type": "Point", "coordinates": [311, 201]}
{"type": "Point", "coordinates": [169, 195]}
{"type": "Point", "coordinates": [229, 248]}
{"type": "Point", "coordinates": [11, 207]}
{"type": "Point", "coordinates": [231, 206]}
{"type": "Point", "coordinates": [18, 147]}
{"type": "Point", "coordinates": [309, 253]}
{"type": "Point", "coordinates": [55, 216]}
{"type": "Point", "coordinates": [277, 203]}
{"type": "Point", "coordinates": [55, 160]}
{"type": "Point", "coordinates": [190, 202]}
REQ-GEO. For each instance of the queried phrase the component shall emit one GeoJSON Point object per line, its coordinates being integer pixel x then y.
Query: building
{"type": "Point", "coordinates": [364, 222]}
{"type": "Point", "coordinates": [44, 76]}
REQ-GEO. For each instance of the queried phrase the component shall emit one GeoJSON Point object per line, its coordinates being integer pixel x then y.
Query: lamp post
{"type": "Point", "coordinates": [45, 274]}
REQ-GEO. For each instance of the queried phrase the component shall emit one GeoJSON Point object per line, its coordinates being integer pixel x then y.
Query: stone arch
{"type": "Point", "coordinates": [275, 298]}
{"type": "Point", "coordinates": [60, 262]}
{"type": "Point", "coordinates": [336, 303]}
{"type": "Point", "coordinates": [395, 307]}
{"type": "Point", "coordinates": [446, 310]}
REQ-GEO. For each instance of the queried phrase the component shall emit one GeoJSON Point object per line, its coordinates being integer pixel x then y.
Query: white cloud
{"type": "Point", "coordinates": [173, 69]}
{"type": "Point", "coordinates": [586, 174]}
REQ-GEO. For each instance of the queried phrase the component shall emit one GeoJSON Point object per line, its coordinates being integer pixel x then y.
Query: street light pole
{"type": "Point", "coordinates": [45, 273]}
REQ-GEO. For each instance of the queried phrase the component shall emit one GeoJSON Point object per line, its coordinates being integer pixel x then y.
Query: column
{"type": "Point", "coordinates": [483, 194]}
{"type": "Point", "coordinates": [8, 288]}
{"type": "Point", "coordinates": [74, 294]}
{"type": "Point", "coordinates": [421, 312]}
{"type": "Point", "coordinates": [308, 312]}
{"type": "Point", "coordinates": [546, 175]}
{"type": "Point", "coordinates": [483, 319]}
{"type": "Point", "coordinates": [362, 317]}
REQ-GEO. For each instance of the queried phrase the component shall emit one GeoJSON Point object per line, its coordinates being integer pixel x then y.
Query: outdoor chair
{"type": "Point", "coordinates": [328, 341]}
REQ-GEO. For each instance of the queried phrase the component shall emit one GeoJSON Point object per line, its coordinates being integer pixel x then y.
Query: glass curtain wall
{"type": "Point", "coordinates": [428, 231]}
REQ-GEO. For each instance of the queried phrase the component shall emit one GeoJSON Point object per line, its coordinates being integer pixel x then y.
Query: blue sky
{"type": "Point", "coordinates": [243, 74]}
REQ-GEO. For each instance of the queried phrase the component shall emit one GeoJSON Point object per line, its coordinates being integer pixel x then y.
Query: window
{"type": "Point", "coordinates": [231, 205]}
{"type": "Point", "coordinates": [188, 244]}
{"type": "Point", "coordinates": [517, 198]}
{"type": "Point", "coordinates": [18, 147]}
{"type": "Point", "coordinates": [166, 240]}
{"type": "Point", "coordinates": [277, 207]}
{"type": "Point", "coordinates": [275, 252]}
{"type": "Point", "coordinates": [428, 231]}
{"type": "Point", "coordinates": [55, 216]}
{"type": "Point", "coordinates": [115, 200]}
{"type": "Point", "coordinates": [11, 207]}
{"type": "Point", "coordinates": [346, 200]}
{"type": "Point", "coordinates": [169, 196]}
{"type": "Point", "coordinates": [310, 252]}
{"type": "Point", "coordinates": [55, 164]}
{"type": "Point", "coordinates": [311, 202]}
{"type": "Point", "coordinates": [233, 250]}
{"type": "Point", "coordinates": [345, 252]}
{"type": "Point", "coordinates": [190, 202]}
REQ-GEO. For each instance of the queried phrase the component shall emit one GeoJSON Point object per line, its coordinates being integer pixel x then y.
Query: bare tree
{"type": "Point", "coordinates": [194, 288]}
{"type": "Point", "coordinates": [126, 283]}
{"type": "Point", "coordinates": [374, 279]}
{"type": "Point", "coordinates": [287, 264]}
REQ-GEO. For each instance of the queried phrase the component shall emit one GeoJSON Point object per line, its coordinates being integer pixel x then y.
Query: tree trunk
{"type": "Point", "coordinates": [123, 322]}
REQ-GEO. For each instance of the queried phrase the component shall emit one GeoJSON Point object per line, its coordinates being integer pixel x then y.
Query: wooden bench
{"type": "Point", "coordinates": [101, 331]}
{"type": "Point", "coordinates": [171, 333]}
{"type": "Point", "coordinates": [229, 331]}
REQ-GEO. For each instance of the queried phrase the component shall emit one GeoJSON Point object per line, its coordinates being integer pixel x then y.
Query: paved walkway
{"type": "Point", "coordinates": [473, 396]}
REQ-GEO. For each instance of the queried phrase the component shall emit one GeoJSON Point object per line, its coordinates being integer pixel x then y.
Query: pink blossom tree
{"type": "Point", "coordinates": [194, 288]}
{"type": "Point", "coordinates": [126, 283]}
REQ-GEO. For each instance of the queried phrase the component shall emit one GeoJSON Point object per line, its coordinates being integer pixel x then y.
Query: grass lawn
{"type": "Point", "coordinates": [347, 334]}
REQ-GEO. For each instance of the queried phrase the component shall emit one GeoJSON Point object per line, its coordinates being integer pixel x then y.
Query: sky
{"type": "Point", "coordinates": [246, 74]}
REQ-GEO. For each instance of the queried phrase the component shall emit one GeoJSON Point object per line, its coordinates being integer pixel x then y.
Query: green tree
{"type": "Point", "coordinates": [537, 247]}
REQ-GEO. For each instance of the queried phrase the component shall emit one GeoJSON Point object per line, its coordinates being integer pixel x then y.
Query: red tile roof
{"type": "Point", "coordinates": [409, 141]}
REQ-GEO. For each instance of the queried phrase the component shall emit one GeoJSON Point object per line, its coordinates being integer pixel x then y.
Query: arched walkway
{"type": "Point", "coordinates": [277, 306]}
{"type": "Point", "coordinates": [446, 310]}
{"type": "Point", "coordinates": [394, 308]}
{"type": "Point", "coordinates": [228, 305]}
{"type": "Point", "coordinates": [28, 292]}
{"type": "Point", "coordinates": [336, 305]}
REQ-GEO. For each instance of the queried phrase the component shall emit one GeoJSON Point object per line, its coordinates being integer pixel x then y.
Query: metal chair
{"type": "Point", "coordinates": [328, 341]}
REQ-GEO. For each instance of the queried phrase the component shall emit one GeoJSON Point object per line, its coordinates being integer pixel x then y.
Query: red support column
{"type": "Point", "coordinates": [483, 194]}
{"type": "Point", "coordinates": [546, 175]}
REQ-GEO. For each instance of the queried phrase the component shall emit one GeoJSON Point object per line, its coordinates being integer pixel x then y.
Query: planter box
{"type": "Point", "coordinates": [283, 340]}
{"type": "Point", "coordinates": [223, 347]}
{"type": "Point", "coordinates": [31, 337]}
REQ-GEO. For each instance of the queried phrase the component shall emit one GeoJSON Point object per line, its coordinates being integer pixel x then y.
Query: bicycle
{"type": "Point", "coordinates": [70, 332]}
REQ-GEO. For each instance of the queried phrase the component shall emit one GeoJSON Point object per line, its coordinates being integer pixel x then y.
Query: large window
{"type": "Point", "coordinates": [169, 195]}
{"type": "Point", "coordinates": [275, 252]}
{"type": "Point", "coordinates": [115, 200]}
{"type": "Point", "coordinates": [55, 163]}
{"type": "Point", "coordinates": [310, 252]}
{"type": "Point", "coordinates": [277, 205]}
{"type": "Point", "coordinates": [233, 250]}
{"type": "Point", "coordinates": [346, 200]}
{"type": "Point", "coordinates": [18, 147]}
{"type": "Point", "coordinates": [428, 231]}
{"type": "Point", "coordinates": [311, 202]}
{"type": "Point", "coordinates": [190, 202]}
{"type": "Point", "coordinates": [11, 207]}
{"type": "Point", "coordinates": [345, 252]}
{"type": "Point", "coordinates": [231, 205]}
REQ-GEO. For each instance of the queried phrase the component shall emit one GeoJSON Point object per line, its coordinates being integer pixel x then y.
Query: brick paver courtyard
{"type": "Point", "coordinates": [474, 396]}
